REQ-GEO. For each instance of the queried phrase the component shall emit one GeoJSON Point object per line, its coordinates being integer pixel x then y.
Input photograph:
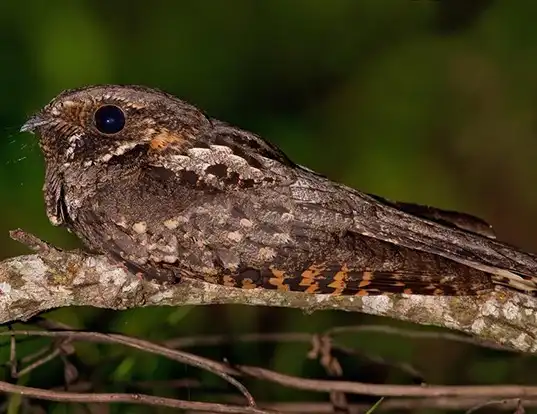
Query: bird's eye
{"type": "Point", "coordinates": [109, 119]}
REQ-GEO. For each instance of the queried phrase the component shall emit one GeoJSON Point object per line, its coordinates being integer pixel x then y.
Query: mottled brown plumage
{"type": "Point", "coordinates": [154, 183]}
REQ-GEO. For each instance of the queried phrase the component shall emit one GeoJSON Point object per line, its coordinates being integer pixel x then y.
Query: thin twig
{"type": "Point", "coordinates": [27, 359]}
{"type": "Point", "coordinates": [415, 334]}
{"type": "Point", "coordinates": [214, 340]}
{"type": "Point", "coordinates": [108, 398]}
{"type": "Point", "coordinates": [280, 337]}
{"type": "Point", "coordinates": [85, 386]}
{"type": "Point", "coordinates": [179, 356]}
{"type": "Point", "coordinates": [32, 242]}
{"type": "Point", "coordinates": [475, 391]}
{"type": "Point", "coordinates": [49, 357]}
{"type": "Point", "coordinates": [387, 390]}
{"type": "Point", "coordinates": [388, 405]}
{"type": "Point", "coordinates": [501, 403]}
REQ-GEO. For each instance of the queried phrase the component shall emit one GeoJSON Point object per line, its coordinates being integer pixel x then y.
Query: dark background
{"type": "Point", "coordinates": [424, 101]}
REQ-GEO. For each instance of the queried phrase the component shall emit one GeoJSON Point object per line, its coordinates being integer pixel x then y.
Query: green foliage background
{"type": "Point", "coordinates": [424, 101]}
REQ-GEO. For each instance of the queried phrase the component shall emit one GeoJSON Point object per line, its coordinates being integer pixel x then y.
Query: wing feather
{"type": "Point", "coordinates": [508, 264]}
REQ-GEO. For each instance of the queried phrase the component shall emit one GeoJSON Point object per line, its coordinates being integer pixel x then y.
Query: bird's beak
{"type": "Point", "coordinates": [34, 122]}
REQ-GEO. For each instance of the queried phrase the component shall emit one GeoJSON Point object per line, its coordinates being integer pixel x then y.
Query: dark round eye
{"type": "Point", "coordinates": [109, 119]}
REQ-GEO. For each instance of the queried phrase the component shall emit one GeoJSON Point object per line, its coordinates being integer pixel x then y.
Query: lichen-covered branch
{"type": "Point", "coordinates": [35, 283]}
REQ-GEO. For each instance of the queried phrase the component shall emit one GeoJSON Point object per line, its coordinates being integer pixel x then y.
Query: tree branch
{"type": "Point", "coordinates": [51, 278]}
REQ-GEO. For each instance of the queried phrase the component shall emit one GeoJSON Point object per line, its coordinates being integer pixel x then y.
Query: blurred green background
{"type": "Point", "coordinates": [424, 101]}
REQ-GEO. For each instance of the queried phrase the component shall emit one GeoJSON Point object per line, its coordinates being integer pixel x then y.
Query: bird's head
{"type": "Point", "coordinates": [97, 124]}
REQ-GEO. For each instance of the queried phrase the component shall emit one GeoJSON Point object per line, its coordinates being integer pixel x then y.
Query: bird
{"type": "Point", "coordinates": [159, 186]}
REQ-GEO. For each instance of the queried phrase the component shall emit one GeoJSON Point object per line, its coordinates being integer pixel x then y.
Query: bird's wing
{"type": "Point", "coordinates": [509, 265]}
{"type": "Point", "coordinates": [456, 219]}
